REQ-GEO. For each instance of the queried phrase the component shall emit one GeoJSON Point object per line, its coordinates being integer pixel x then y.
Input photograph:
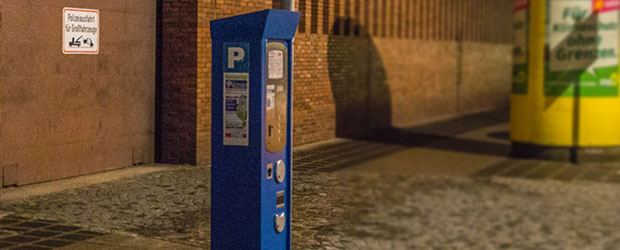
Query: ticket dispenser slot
{"type": "Point", "coordinates": [276, 92]}
{"type": "Point", "coordinates": [280, 199]}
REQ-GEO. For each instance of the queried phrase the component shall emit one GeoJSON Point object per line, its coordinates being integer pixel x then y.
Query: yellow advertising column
{"type": "Point", "coordinates": [565, 103]}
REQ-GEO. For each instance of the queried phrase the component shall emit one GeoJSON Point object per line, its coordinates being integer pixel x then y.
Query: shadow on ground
{"type": "Point", "coordinates": [381, 142]}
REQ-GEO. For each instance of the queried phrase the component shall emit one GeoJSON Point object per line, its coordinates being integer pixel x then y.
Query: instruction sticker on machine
{"type": "Point", "coordinates": [81, 31]}
{"type": "Point", "coordinates": [236, 99]}
{"type": "Point", "coordinates": [582, 48]}
{"type": "Point", "coordinates": [276, 64]}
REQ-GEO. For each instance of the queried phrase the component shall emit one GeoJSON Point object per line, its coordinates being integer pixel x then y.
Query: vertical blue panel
{"type": "Point", "coordinates": [234, 182]}
{"type": "Point", "coordinates": [271, 239]}
{"type": "Point", "coordinates": [243, 205]}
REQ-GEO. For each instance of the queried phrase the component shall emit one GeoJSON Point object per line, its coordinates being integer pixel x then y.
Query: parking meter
{"type": "Point", "coordinates": [251, 136]}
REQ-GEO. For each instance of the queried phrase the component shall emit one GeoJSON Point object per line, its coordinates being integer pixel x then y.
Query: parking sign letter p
{"type": "Point", "coordinates": [235, 54]}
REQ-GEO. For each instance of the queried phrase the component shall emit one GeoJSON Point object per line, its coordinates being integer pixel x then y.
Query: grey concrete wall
{"type": "Point", "coordinates": [66, 115]}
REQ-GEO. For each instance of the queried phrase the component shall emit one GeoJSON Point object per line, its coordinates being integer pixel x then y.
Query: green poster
{"type": "Point", "coordinates": [521, 44]}
{"type": "Point", "coordinates": [581, 52]}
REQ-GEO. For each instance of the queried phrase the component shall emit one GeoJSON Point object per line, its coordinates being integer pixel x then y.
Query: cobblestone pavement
{"type": "Point", "coordinates": [400, 212]}
{"type": "Point", "coordinates": [169, 204]}
{"type": "Point", "coordinates": [336, 209]}
{"type": "Point", "coordinates": [361, 211]}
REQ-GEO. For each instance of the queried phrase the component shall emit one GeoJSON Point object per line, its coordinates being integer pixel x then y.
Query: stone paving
{"type": "Point", "coordinates": [170, 204]}
{"type": "Point", "coordinates": [335, 209]}
{"type": "Point", "coordinates": [400, 212]}
{"type": "Point", "coordinates": [355, 211]}
{"type": "Point", "coordinates": [536, 170]}
{"type": "Point", "coordinates": [17, 232]}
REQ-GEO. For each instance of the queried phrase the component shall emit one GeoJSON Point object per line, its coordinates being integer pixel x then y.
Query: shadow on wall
{"type": "Point", "coordinates": [358, 80]}
{"type": "Point", "coordinates": [363, 101]}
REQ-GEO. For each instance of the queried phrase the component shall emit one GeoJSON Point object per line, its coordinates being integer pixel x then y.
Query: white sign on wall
{"type": "Point", "coordinates": [81, 31]}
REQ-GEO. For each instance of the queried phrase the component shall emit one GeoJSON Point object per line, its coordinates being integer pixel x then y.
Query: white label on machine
{"type": "Point", "coordinates": [276, 64]}
{"type": "Point", "coordinates": [236, 109]}
{"type": "Point", "coordinates": [81, 31]}
{"type": "Point", "coordinates": [271, 97]}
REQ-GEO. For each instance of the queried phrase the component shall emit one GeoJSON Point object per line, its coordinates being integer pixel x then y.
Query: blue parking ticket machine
{"type": "Point", "coordinates": [251, 135]}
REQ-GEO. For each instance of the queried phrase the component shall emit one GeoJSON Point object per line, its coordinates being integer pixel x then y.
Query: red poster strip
{"type": "Point", "coordinates": [599, 6]}
{"type": "Point", "coordinates": [520, 4]}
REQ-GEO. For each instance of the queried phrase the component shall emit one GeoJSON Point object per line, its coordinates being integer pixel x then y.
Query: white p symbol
{"type": "Point", "coordinates": [235, 54]}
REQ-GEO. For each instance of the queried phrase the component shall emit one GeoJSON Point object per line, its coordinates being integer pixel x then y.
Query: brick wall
{"type": "Point", "coordinates": [176, 82]}
{"type": "Point", "coordinates": [371, 63]}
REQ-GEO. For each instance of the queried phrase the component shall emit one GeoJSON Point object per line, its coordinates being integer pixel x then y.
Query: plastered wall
{"type": "Point", "coordinates": [67, 115]}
